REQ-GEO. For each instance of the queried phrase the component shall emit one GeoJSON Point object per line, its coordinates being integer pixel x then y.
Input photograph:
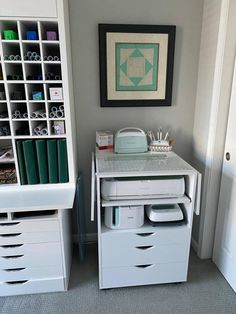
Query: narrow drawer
{"type": "Point", "coordinates": [143, 275]}
{"type": "Point", "coordinates": [31, 273]}
{"type": "Point", "coordinates": [29, 248]}
{"type": "Point", "coordinates": [25, 237]}
{"type": "Point", "coordinates": [43, 254]}
{"type": "Point", "coordinates": [29, 226]}
{"type": "Point", "coordinates": [31, 286]}
{"type": "Point", "coordinates": [140, 254]}
{"type": "Point", "coordinates": [152, 236]}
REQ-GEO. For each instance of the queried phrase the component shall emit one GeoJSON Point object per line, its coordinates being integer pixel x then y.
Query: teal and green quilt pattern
{"type": "Point", "coordinates": [136, 66]}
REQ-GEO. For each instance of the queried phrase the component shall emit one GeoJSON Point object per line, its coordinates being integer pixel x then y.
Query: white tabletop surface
{"type": "Point", "coordinates": [108, 163]}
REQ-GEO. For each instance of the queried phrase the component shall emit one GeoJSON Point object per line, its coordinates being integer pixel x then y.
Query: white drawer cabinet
{"type": "Point", "coordinates": [35, 252]}
{"type": "Point", "coordinates": [132, 248]}
{"type": "Point", "coordinates": [145, 255]}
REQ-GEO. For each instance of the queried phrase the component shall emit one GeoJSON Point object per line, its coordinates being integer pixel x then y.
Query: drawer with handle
{"type": "Point", "coordinates": [124, 255]}
{"type": "Point", "coordinates": [145, 274]}
{"type": "Point", "coordinates": [29, 226]}
{"type": "Point", "coordinates": [137, 237]}
{"type": "Point", "coordinates": [30, 273]}
{"type": "Point", "coordinates": [15, 287]}
{"type": "Point", "coordinates": [25, 237]}
{"type": "Point", "coordinates": [44, 254]}
{"type": "Point", "coordinates": [30, 248]}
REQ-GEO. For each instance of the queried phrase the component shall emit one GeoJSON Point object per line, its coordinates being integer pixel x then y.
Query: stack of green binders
{"type": "Point", "coordinates": [42, 161]}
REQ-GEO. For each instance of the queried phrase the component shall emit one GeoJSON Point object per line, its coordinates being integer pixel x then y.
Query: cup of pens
{"type": "Point", "coordinates": [159, 143]}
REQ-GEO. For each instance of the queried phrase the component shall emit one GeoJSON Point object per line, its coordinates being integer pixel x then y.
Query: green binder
{"type": "Point", "coordinates": [41, 150]}
{"type": "Point", "coordinates": [30, 162]}
{"type": "Point", "coordinates": [21, 162]}
{"type": "Point", "coordinates": [62, 161]}
{"type": "Point", "coordinates": [52, 161]}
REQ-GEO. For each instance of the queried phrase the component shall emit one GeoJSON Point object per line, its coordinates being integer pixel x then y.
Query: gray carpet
{"type": "Point", "coordinates": [205, 292]}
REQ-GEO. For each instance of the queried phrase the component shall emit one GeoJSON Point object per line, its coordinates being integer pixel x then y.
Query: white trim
{"type": "Point", "coordinates": [207, 223]}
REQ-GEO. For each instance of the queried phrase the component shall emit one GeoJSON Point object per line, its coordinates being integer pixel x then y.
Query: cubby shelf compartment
{"type": "Point", "coordinates": [6, 152]}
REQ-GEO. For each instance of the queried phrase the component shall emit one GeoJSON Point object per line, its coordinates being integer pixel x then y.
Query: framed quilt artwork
{"type": "Point", "coordinates": [136, 64]}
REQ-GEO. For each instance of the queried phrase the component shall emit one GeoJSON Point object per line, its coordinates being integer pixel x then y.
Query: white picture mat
{"type": "Point", "coordinates": [142, 38]}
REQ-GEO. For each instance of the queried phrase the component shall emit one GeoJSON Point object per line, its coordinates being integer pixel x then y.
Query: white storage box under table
{"type": "Point", "coordinates": [149, 254]}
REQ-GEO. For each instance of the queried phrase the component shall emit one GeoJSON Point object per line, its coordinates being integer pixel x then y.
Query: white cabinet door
{"type": "Point", "coordinates": [224, 254]}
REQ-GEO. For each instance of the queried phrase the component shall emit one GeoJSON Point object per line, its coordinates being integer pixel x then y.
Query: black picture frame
{"type": "Point", "coordinates": [141, 48]}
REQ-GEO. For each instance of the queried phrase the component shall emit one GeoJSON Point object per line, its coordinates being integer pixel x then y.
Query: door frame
{"type": "Point", "coordinates": [218, 117]}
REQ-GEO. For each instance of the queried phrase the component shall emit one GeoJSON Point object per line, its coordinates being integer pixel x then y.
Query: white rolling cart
{"type": "Point", "coordinates": [35, 244]}
{"type": "Point", "coordinates": [146, 255]}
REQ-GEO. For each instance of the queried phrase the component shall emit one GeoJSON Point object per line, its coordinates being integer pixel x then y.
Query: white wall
{"type": "Point", "coordinates": [84, 18]}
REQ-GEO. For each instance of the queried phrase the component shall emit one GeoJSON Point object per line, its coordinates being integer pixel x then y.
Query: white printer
{"type": "Point", "coordinates": [142, 187]}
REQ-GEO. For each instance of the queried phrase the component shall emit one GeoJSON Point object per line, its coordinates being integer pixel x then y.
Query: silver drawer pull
{"type": "Point", "coordinates": [14, 269]}
{"type": "Point", "coordinates": [144, 247]}
{"type": "Point", "coordinates": [21, 282]}
{"type": "Point", "coordinates": [147, 234]}
{"type": "Point", "coordinates": [13, 256]}
{"type": "Point", "coordinates": [10, 235]}
{"type": "Point", "coordinates": [8, 224]}
{"type": "Point", "coordinates": [144, 266]}
{"type": "Point", "coordinates": [11, 246]}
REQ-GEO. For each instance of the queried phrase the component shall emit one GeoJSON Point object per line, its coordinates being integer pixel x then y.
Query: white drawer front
{"type": "Point", "coordinates": [29, 248]}
{"type": "Point", "coordinates": [31, 273]}
{"type": "Point", "coordinates": [43, 254]}
{"type": "Point", "coordinates": [25, 237]}
{"type": "Point", "coordinates": [29, 226]}
{"type": "Point", "coordinates": [155, 236]}
{"type": "Point", "coordinates": [138, 255]}
{"type": "Point", "coordinates": [32, 286]}
{"type": "Point", "coordinates": [151, 274]}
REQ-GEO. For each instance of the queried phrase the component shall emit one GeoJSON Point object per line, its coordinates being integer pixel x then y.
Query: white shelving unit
{"type": "Point", "coordinates": [145, 255]}
{"type": "Point", "coordinates": [27, 76]}
{"type": "Point", "coordinates": [35, 242]}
